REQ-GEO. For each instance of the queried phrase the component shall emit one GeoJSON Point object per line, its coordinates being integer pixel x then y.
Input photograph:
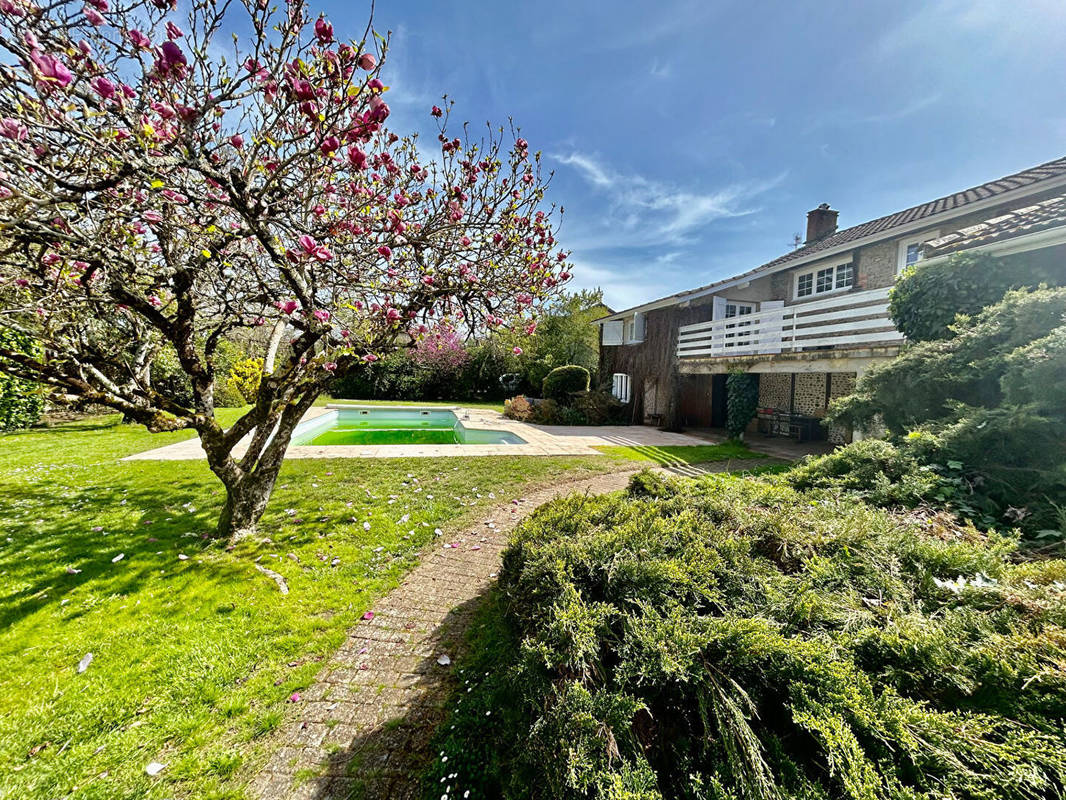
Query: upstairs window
{"type": "Point", "coordinates": [635, 329]}
{"type": "Point", "coordinates": [828, 279]}
{"type": "Point", "coordinates": [910, 250]}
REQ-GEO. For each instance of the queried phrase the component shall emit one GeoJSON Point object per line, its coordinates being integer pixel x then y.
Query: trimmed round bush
{"type": "Point", "coordinates": [563, 382]}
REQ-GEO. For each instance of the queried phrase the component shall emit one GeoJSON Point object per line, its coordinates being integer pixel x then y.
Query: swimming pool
{"type": "Point", "coordinates": [390, 425]}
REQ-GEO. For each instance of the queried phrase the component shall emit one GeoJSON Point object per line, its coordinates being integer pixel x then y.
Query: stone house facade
{"type": "Point", "coordinates": [811, 321]}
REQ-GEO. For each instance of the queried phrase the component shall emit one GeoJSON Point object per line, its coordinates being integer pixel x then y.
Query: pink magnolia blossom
{"type": "Point", "coordinates": [330, 366]}
{"type": "Point", "coordinates": [237, 141]}
{"type": "Point", "coordinates": [436, 112]}
{"type": "Point", "coordinates": [323, 31]}
{"type": "Point", "coordinates": [12, 8]}
{"type": "Point", "coordinates": [170, 62]}
{"type": "Point", "coordinates": [96, 19]}
{"type": "Point", "coordinates": [289, 306]}
{"type": "Point", "coordinates": [330, 145]}
{"type": "Point", "coordinates": [356, 157]}
{"type": "Point", "coordinates": [51, 69]}
{"type": "Point", "coordinates": [367, 61]}
{"type": "Point", "coordinates": [321, 315]}
{"type": "Point", "coordinates": [370, 358]}
{"type": "Point", "coordinates": [385, 251]}
{"type": "Point", "coordinates": [516, 350]}
{"type": "Point", "coordinates": [173, 31]}
{"type": "Point", "coordinates": [312, 249]}
{"type": "Point", "coordinates": [103, 87]}
{"type": "Point", "coordinates": [138, 39]}
{"type": "Point", "coordinates": [13, 129]}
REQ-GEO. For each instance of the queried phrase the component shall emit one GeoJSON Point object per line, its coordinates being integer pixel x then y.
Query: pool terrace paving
{"type": "Point", "coordinates": [540, 440]}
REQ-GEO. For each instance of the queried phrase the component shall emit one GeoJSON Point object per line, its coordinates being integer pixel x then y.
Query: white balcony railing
{"type": "Point", "coordinates": [846, 320]}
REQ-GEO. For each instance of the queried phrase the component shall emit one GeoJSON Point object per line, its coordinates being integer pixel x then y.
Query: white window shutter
{"type": "Point", "coordinates": [717, 307]}
{"type": "Point", "coordinates": [639, 323]}
{"type": "Point", "coordinates": [612, 332]}
{"type": "Point", "coordinates": [770, 326]}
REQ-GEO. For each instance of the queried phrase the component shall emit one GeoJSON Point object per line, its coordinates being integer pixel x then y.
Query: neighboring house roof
{"type": "Point", "coordinates": [943, 207]}
{"type": "Point", "coordinates": [1050, 213]}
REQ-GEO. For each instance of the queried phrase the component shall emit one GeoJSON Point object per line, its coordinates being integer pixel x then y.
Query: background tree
{"type": "Point", "coordinates": [167, 184]}
{"type": "Point", "coordinates": [565, 333]}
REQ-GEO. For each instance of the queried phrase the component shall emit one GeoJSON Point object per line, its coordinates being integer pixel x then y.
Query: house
{"type": "Point", "coordinates": [811, 321]}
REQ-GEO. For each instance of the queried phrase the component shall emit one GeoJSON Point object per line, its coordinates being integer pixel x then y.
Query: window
{"type": "Point", "coordinates": [620, 386]}
{"type": "Point", "coordinates": [635, 329]}
{"type": "Point", "coordinates": [910, 250]}
{"type": "Point", "coordinates": [825, 280]}
{"type": "Point", "coordinates": [845, 276]}
{"type": "Point", "coordinates": [612, 332]}
{"type": "Point", "coordinates": [735, 309]}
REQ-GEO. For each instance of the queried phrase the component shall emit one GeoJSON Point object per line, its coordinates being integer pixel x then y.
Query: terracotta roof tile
{"type": "Point", "coordinates": [1050, 213]}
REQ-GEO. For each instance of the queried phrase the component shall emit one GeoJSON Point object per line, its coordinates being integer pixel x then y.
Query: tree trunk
{"type": "Point", "coordinates": [250, 482]}
{"type": "Point", "coordinates": [246, 501]}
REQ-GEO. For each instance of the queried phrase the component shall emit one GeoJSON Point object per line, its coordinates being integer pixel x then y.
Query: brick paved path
{"type": "Point", "coordinates": [363, 729]}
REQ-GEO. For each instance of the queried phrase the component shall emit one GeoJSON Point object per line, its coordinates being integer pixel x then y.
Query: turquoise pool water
{"type": "Point", "coordinates": [360, 426]}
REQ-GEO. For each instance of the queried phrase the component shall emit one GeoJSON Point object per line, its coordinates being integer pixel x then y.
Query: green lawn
{"type": "Point", "coordinates": [193, 658]}
{"type": "Point", "coordinates": [682, 454]}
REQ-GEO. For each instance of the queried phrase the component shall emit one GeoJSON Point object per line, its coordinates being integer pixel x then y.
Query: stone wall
{"type": "Point", "coordinates": [840, 385]}
{"type": "Point", "coordinates": [775, 390]}
{"type": "Point", "coordinates": [809, 396]}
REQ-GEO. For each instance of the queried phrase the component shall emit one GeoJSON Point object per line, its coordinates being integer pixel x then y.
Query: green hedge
{"type": "Point", "coordinates": [733, 639]}
{"type": "Point", "coordinates": [563, 382]}
{"type": "Point", "coordinates": [927, 297]}
{"type": "Point", "coordinates": [21, 401]}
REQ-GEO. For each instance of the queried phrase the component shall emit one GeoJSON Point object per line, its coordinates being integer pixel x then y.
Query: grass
{"type": "Point", "coordinates": [672, 455]}
{"type": "Point", "coordinates": [193, 658]}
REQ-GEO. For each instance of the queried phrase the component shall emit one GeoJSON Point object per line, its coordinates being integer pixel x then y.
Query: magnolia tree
{"type": "Point", "coordinates": [168, 182]}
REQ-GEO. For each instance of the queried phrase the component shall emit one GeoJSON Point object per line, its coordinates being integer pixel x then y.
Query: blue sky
{"type": "Point", "coordinates": [690, 138]}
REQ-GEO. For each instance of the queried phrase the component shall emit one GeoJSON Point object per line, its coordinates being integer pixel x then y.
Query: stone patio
{"type": "Point", "coordinates": [540, 440]}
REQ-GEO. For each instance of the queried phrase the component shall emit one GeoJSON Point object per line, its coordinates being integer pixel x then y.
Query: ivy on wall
{"type": "Point", "coordinates": [742, 401]}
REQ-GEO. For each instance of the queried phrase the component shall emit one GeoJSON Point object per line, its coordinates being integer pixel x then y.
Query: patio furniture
{"type": "Point", "coordinates": [802, 427]}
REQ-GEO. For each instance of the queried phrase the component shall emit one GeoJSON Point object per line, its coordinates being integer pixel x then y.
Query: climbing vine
{"type": "Point", "coordinates": [742, 401]}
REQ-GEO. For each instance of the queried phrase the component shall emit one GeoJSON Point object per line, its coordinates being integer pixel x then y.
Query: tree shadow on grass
{"type": "Point", "coordinates": [367, 734]}
{"type": "Point", "coordinates": [157, 527]}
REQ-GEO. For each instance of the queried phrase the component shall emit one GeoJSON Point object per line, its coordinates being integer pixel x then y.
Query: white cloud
{"type": "Point", "coordinates": [661, 69]}
{"type": "Point", "coordinates": [646, 212]}
{"type": "Point", "coordinates": [848, 117]}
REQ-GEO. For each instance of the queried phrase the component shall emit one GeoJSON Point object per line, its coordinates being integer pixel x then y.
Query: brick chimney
{"type": "Point", "coordinates": [821, 222]}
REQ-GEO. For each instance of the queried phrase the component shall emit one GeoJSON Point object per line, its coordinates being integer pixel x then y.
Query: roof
{"type": "Point", "coordinates": [1050, 213]}
{"type": "Point", "coordinates": [952, 204]}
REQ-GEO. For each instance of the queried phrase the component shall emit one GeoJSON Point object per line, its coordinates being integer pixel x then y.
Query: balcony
{"type": "Point", "coordinates": [855, 319]}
